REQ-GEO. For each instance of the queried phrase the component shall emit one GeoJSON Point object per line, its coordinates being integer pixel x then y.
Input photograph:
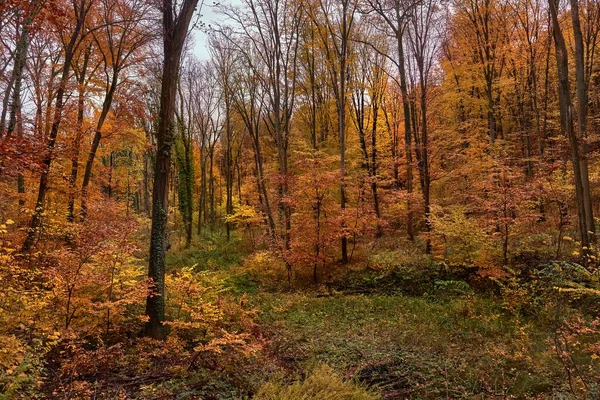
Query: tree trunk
{"type": "Point", "coordinates": [582, 112]}
{"type": "Point", "coordinates": [9, 87]}
{"type": "Point", "coordinates": [17, 75]}
{"type": "Point", "coordinates": [36, 218]}
{"type": "Point", "coordinates": [342, 126]}
{"type": "Point", "coordinates": [78, 137]}
{"type": "Point", "coordinates": [15, 120]}
{"type": "Point", "coordinates": [174, 31]}
{"type": "Point", "coordinates": [407, 134]}
{"type": "Point", "coordinates": [228, 165]}
{"type": "Point", "coordinates": [95, 143]}
{"type": "Point", "coordinates": [566, 116]}
{"type": "Point", "coordinates": [202, 197]}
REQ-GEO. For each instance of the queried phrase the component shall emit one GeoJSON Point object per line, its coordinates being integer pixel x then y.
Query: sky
{"type": "Point", "coordinates": [208, 16]}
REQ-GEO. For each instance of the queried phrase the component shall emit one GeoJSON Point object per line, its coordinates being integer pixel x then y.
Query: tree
{"type": "Point", "coordinates": [273, 35]}
{"type": "Point", "coordinates": [80, 10]}
{"type": "Point", "coordinates": [335, 27]}
{"type": "Point", "coordinates": [248, 101]}
{"type": "Point", "coordinates": [184, 155]}
{"type": "Point", "coordinates": [122, 32]}
{"type": "Point", "coordinates": [394, 14]}
{"type": "Point", "coordinates": [424, 40]}
{"type": "Point", "coordinates": [369, 85]}
{"type": "Point", "coordinates": [175, 22]}
{"type": "Point", "coordinates": [81, 74]}
{"type": "Point", "coordinates": [576, 137]}
{"type": "Point", "coordinates": [223, 67]}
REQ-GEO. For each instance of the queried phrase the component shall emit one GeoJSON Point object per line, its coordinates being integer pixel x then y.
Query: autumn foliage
{"type": "Point", "coordinates": [445, 147]}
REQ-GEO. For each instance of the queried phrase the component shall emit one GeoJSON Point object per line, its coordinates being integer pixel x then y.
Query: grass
{"type": "Point", "coordinates": [322, 384]}
{"type": "Point", "coordinates": [464, 347]}
{"type": "Point", "coordinates": [209, 251]}
{"type": "Point", "coordinates": [445, 340]}
{"type": "Point", "coordinates": [212, 252]}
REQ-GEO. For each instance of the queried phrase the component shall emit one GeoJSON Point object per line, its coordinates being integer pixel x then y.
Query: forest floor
{"type": "Point", "coordinates": [419, 338]}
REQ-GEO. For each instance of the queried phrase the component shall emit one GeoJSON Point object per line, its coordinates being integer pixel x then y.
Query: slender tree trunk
{"type": "Point", "coordinates": [489, 92]}
{"type": "Point", "coordinates": [424, 167]}
{"type": "Point", "coordinates": [202, 197]}
{"type": "Point", "coordinates": [109, 189]}
{"type": "Point", "coordinates": [146, 189]}
{"type": "Point", "coordinates": [36, 218]}
{"type": "Point", "coordinates": [228, 165]}
{"type": "Point", "coordinates": [544, 134]}
{"type": "Point", "coordinates": [582, 113]}
{"type": "Point", "coordinates": [262, 182]}
{"type": "Point", "coordinates": [407, 134]}
{"type": "Point", "coordinates": [313, 93]}
{"type": "Point", "coordinates": [211, 189]}
{"type": "Point", "coordinates": [95, 143]}
{"type": "Point", "coordinates": [78, 137]}
{"type": "Point", "coordinates": [566, 113]}
{"type": "Point", "coordinates": [50, 96]}
{"type": "Point", "coordinates": [375, 108]}
{"type": "Point", "coordinates": [6, 101]}
{"type": "Point", "coordinates": [20, 60]}
{"type": "Point", "coordinates": [15, 120]}
{"type": "Point", "coordinates": [342, 126]}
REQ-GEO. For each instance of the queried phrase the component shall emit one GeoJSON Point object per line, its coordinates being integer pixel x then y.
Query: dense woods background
{"type": "Point", "coordinates": [402, 190]}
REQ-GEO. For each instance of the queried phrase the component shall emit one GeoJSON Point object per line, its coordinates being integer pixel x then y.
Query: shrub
{"type": "Point", "coordinates": [461, 238]}
{"type": "Point", "coordinates": [266, 268]}
{"type": "Point", "coordinates": [448, 289]}
{"type": "Point", "coordinates": [322, 384]}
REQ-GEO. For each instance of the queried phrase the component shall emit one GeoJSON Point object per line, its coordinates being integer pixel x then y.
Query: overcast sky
{"type": "Point", "coordinates": [208, 16]}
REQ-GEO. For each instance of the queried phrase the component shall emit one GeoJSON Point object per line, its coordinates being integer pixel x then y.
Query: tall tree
{"type": "Point", "coordinates": [335, 26]}
{"type": "Point", "coordinates": [272, 32]}
{"type": "Point", "coordinates": [122, 31]}
{"type": "Point", "coordinates": [367, 97]}
{"type": "Point", "coordinates": [223, 67]}
{"type": "Point", "coordinates": [15, 121]}
{"type": "Point", "coordinates": [576, 137]}
{"type": "Point", "coordinates": [176, 19]}
{"type": "Point", "coordinates": [184, 153]}
{"type": "Point", "coordinates": [424, 40]}
{"type": "Point", "coordinates": [80, 11]}
{"type": "Point", "coordinates": [395, 16]}
{"type": "Point", "coordinates": [248, 101]}
{"type": "Point", "coordinates": [82, 81]}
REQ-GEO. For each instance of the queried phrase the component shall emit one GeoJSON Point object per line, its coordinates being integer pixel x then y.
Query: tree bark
{"type": "Point", "coordinates": [81, 10]}
{"type": "Point", "coordinates": [407, 134]}
{"type": "Point", "coordinates": [582, 113]}
{"type": "Point", "coordinates": [79, 135]}
{"type": "Point", "coordinates": [106, 104]}
{"type": "Point", "coordinates": [174, 31]}
{"type": "Point", "coordinates": [566, 116]}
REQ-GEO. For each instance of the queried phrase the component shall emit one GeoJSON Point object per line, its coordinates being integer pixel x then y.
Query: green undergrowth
{"type": "Point", "coordinates": [413, 347]}
{"type": "Point", "coordinates": [209, 251]}
{"type": "Point", "coordinates": [418, 329]}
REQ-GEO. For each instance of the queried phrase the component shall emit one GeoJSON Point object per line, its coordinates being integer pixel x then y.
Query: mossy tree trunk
{"type": "Point", "coordinates": [175, 28]}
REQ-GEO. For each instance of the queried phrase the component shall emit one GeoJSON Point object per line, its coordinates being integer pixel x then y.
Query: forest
{"type": "Point", "coordinates": [344, 200]}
